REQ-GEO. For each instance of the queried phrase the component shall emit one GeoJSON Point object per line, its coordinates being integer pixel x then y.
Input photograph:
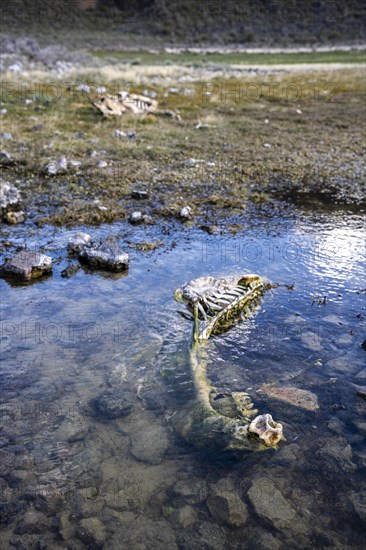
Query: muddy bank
{"type": "Point", "coordinates": [271, 136]}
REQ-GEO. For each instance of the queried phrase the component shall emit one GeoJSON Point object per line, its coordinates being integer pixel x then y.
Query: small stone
{"type": "Point", "coordinates": [70, 271]}
{"type": "Point", "coordinates": [102, 164]}
{"type": "Point", "coordinates": [15, 67]}
{"type": "Point", "coordinates": [186, 212]}
{"type": "Point", "coordinates": [208, 536]}
{"type": "Point", "coordinates": [303, 399]}
{"type": "Point", "coordinates": [359, 502]}
{"type": "Point", "coordinates": [143, 533]}
{"type": "Point", "coordinates": [113, 403]}
{"type": "Point", "coordinates": [120, 134]}
{"type": "Point", "coordinates": [8, 511]}
{"type": "Point", "coordinates": [225, 505]}
{"type": "Point", "coordinates": [131, 135]}
{"type": "Point", "coordinates": [4, 155]}
{"type": "Point", "coordinates": [139, 194]}
{"type": "Point", "coordinates": [78, 242]}
{"type": "Point", "coordinates": [338, 451]}
{"type": "Point", "coordinates": [192, 492]}
{"type": "Point", "coordinates": [91, 532]}
{"type": "Point", "coordinates": [150, 446]}
{"type": "Point", "coordinates": [270, 504]}
{"type": "Point", "coordinates": [32, 523]}
{"type": "Point", "coordinates": [212, 535]}
{"type": "Point", "coordinates": [210, 229]}
{"type": "Point", "coordinates": [14, 218]}
{"type": "Point", "coordinates": [55, 167]}
{"type": "Point", "coordinates": [10, 198]}
{"type": "Point", "coordinates": [183, 517]}
{"type": "Point", "coordinates": [136, 217]}
{"type": "Point", "coordinates": [6, 462]}
{"type": "Point", "coordinates": [83, 88]}
{"type": "Point", "coordinates": [104, 255]}
{"type": "Point", "coordinates": [6, 135]}
{"type": "Point", "coordinates": [27, 265]}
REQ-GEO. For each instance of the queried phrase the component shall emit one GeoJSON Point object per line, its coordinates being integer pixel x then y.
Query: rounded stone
{"type": "Point", "coordinates": [92, 532]}
{"type": "Point", "coordinates": [113, 403]}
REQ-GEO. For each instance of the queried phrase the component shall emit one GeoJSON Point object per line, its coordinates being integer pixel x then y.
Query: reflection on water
{"type": "Point", "coordinates": [72, 477]}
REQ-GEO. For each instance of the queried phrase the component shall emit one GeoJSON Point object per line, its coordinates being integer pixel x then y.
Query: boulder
{"type": "Point", "coordinates": [104, 255]}
{"type": "Point", "coordinates": [270, 504]}
{"type": "Point", "coordinates": [27, 265]}
{"type": "Point", "coordinates": [226, 506]}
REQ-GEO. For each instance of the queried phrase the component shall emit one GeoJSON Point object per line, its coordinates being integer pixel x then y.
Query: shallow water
{"type": "Point", "coordinates": [64, 341]}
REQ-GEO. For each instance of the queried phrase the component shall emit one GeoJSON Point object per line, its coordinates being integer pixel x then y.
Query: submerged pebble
{"type": "Point", "coordinates": [113, 403]}
{"type": "Point", "coordinates": [150, 446]}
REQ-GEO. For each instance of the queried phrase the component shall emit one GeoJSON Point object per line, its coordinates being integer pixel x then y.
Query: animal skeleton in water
{"type": "Point", "coordinates": [222, 420]}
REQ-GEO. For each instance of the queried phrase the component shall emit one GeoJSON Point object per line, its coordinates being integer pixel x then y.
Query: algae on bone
{"type": "Point", "coordinates": [221, 420]}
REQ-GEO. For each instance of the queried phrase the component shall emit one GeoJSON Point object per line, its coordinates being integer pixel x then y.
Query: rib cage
{"type": "Point", "coordinates": [124, 103]}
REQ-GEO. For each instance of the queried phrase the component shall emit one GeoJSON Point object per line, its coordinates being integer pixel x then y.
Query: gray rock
{"type": "Point", "coordinates": [150, 446]}
{"type": "Point", "coordinates": [92, 532]}
{"type": "Point", "coordinates": [225, 505]}
{"type": "Point", "coordinates": [143, 534]}
{"type": "Point", "coordinates": [260, 540]}
{"type": "Point", "coordinates": [27, 265]}
{"type": "Point", "coordinates": [10, 198]}
{"type": "Point", "coordinates": [338, 451]}
{"type": "Point", "coordinates": [45, 498]}
{"type": "Point", "coordinates": [186, 212]}
{"type": "Point", "coordinates": [183, 517]}
{"type": "Point", "coordinates": [120, 134]}
{"type": "Point", "coordinates": [113, 403]}
{"type": "Point", "coordinates": [208, 536]}
{"type": "Point", "coordinates": [32, 523]}
{"type": "Point", "coordinates": [136, 217]}
{"type": "Point", "coordinates": [9, 510]}
{"type": "Point", "coordinates": [4, 155]}
{"type": "Point", "coordinates": [139, 194]}
{"type": "Point", "coordinates": [70, 271]}
{"type": "Point", "coordinates": [78, 242]}
{"type": "Point", "coordinates": [83, 88]}
{"type": "Point", "coordinates": [359, 502]}
{"type": "Point", "coordinates": [270, 504]}
{"type": "Point", "coordinates": [6, 135]}
{"type": "Point", "coordinates": [15, 67]}
{"type": "Point", "coordinates": [6, 462]}
{"type": "Point", "coordinates": [191, 492]}
{"type": "Point", "coordinates": [102, 164]}
{"type": "Point", "coordinates": [55, 167]}
{"type": "Point", "coordinates": [104, 255]}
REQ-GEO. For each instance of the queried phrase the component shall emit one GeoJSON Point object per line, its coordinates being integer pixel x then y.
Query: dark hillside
{"type": "Point", "coordinates": [248, 22]}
